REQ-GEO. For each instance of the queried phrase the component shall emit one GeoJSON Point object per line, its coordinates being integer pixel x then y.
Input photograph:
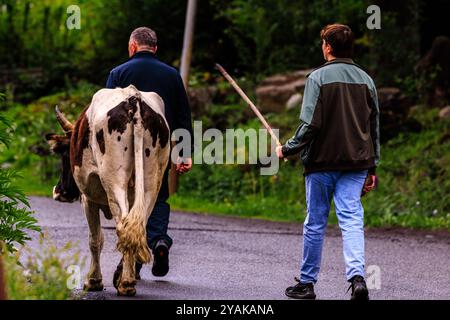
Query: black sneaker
{"type": "Point", "coordinates": [359, 289]}
{"type": "Point", "coordinates": [160, 259]}
{"type": "Point", "coordinates": [301, 291]}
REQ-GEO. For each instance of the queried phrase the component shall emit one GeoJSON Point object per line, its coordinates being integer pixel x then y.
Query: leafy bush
{"type": "Point", "coordinates": [15, 217]}
{"type": "Point", "coordinates": [41, 274]}
{"type": "Point", "coordinates": [252, 37]}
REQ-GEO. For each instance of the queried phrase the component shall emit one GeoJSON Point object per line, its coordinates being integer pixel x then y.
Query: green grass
{"type": "Point", "coordinates": [268, 209]}
{"type": "Point", "coordinates": [33, 184]}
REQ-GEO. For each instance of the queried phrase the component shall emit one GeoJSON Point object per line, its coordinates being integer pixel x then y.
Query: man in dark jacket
{"type": "Point", "coordinates": [339, 143]}
{"type": "Point", "coordinates": [147, 73]}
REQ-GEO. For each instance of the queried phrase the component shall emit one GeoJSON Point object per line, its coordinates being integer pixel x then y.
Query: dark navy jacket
{"type": "Point", "coordinates": [147, 73]}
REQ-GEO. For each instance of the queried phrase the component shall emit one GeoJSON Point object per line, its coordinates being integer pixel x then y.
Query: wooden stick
{"type": "Point", "coordinates": [249, 102]}
{"type": "Point", "coordinates": [2, 277]}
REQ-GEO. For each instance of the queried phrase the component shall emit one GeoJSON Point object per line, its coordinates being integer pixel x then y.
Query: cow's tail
{"type": "Point", "coordinates": [132, 234]}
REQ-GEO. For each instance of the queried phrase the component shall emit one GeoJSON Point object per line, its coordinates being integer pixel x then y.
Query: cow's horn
{"type": "Point", "coordinates": [65, 124]}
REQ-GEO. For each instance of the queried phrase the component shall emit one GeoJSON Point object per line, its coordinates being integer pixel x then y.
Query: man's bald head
{"type": "Point", "coordinates": [142, 39]}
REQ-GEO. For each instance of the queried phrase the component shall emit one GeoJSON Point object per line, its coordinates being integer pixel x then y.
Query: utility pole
{"type": "Point", "coordinates": [184, 71]}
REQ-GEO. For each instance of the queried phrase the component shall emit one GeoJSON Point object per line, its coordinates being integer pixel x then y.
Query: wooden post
{"type": "Point", "coordinates": [184, 71]}
{"type": "Point", "coordinates": [188, 41]}
{"type": "Point", "coordinates": [2, 280]}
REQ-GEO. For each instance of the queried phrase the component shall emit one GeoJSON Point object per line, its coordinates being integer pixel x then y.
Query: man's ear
{"type": "Point", "coordinates": [132, 48]}
{"type": "Point", "coordinates": [329, 48]}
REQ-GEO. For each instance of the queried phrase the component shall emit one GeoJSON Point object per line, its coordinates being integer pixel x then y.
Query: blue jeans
{"type": "Point", "coordinates": [158, 222]}
{"type": "Point", "coordinates": [345, 187]}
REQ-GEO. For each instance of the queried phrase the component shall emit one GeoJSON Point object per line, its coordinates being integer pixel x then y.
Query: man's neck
{"type": "Point", "coordinates": [144, 51]}
{"type": "Point", "coordinates": [147, 49]}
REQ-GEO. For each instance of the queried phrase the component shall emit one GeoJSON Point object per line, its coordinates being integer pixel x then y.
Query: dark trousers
{"type": "Point", "coordinates": [158, 222]}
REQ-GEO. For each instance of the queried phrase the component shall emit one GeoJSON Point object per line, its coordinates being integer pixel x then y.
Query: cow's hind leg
{"type": "Point", "coordinates": [116, 189]}
{"type": "Point", "coordinates": [94, 278]}
{"type": "Point", "coordinates": [124, 276]}
{"type": "Point", "coordinates": [126, 282]}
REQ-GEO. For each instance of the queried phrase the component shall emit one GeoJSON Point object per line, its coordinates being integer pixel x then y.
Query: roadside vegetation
{"type": "Point", "coordinates": [28, 274]}
{"type": "Point", "coordinates": [414, 189]}
{"type": "Point", "coordinates": [46, 273]}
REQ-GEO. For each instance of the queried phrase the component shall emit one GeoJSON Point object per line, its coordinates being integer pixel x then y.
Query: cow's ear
{"type": "Point", "coordinates": [58, 144]}
{"type": "Point", "coordinates": [50, 136]}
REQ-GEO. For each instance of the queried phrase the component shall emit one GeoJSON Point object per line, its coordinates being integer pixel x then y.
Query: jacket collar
{"type": "Point", "coordinates": [337, 60]}
{"type": "Point", "coordinates": [340, 60]}
{"type": "Point", "coordinates": [143, 53]}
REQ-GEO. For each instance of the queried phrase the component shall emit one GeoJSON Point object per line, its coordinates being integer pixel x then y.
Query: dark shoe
{"type": "Point", "coordinates": [160, 259]}
{"type": "Point", "coordinates": [301, 291]}
{"type": "Point", "coordinates": [359, 289]}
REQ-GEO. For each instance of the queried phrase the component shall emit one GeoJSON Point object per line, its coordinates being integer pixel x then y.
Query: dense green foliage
{"type": "Point", "coordinates": [39, 55]}
{"type": "Point", "coordinates": [16, 220]}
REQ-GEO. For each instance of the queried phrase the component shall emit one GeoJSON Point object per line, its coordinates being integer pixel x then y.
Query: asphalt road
{"type": "Point", "coordinates": [230, 258]}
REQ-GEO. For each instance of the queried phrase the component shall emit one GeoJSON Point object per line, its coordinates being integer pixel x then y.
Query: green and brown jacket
{"type": "Point", "coordinates": [339, 127]}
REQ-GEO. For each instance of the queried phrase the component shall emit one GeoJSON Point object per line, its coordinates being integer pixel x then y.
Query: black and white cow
{"type": "Point", "coordinates": [114, 158]}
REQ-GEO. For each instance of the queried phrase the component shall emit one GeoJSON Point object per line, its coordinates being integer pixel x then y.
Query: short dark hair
{"type": "Point", "coordinates": [144, 37]}
{"type": "Point", "coordinates": [341, 39]}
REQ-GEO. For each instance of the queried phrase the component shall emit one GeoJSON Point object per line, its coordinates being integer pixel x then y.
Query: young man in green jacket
{"type": "Point", "coordinates": [338, 139]}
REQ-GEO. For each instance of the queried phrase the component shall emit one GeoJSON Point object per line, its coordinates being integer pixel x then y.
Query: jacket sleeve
{"type": "Point", "coordinates": [375, 128]}
{"type": "Point", "coordinates": [303, 136]}
{"type": "Point", "coordinates": [182, 117]}
{"type": "Point", "coordinates": [310, 117]}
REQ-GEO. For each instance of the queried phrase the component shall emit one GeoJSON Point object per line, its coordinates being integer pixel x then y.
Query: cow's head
{"type": "Point", "coordinates": [66, 190]}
